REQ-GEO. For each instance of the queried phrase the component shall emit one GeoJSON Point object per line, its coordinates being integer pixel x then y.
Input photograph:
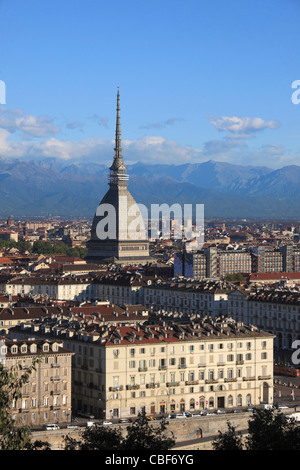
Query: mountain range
{"type": "Point", "coordinates": [71, 189]}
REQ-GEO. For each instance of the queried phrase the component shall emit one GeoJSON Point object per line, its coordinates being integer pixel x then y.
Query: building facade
{"type": "Point", "coordinates": [188, 297]}
{"type": "Point", "coordinates": [46, 397]}
{"type": "Point", "coordinates": [166, 367]}
{"type": "Point", "coordinates": [275, 310]}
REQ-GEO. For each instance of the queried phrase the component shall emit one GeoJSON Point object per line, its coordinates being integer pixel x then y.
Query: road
{"type": "Point", "coordinates": [287, 392]}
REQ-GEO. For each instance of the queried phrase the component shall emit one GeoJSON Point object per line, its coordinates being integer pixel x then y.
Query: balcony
{"type": "Point", "coordinates": [172, 384]}
{"type": "Point", "coordinates": [153, 385]}
{"type": "Point", "coordinates": [132, 387]}
{"type": "Point", "coordinates": [264, 377]}
{"type": "Point", "coordinates": [143, 369]}
{"type": "Point", "coordinates": [116, 389]}
{"type": "Point", "coordinates": [211, 381]}
{"type": "Point", "coordinates": [191, 382]}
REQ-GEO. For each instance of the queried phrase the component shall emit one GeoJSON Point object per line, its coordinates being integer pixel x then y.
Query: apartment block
{"type": "Point", "coordinates": [276, 310]}
{"type": "Point", "coordinates": [46, 397]}
{"type": "Point", "coordinates": [168, 366]}
{"type": "Point", "coordinates": [188, 297]}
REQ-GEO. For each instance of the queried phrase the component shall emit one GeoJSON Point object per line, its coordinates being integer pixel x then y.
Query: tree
{"type": "Point", "coordinates": [142, 436]}
{"type": "Point", "coordinates": [96, 438]}
{"type": "Point", "coordinates": [267, 430]}
{"type": "Point", "coordinates": [12, 437]}
{"type": "Point", "coordinates": [228, 440]}
{"type": "Point", "coordinates": [272, 430]}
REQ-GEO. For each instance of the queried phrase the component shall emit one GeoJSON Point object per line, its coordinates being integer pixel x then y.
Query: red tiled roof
{"type": "Point", "coordinates": [274, 276]}
{"type": "Point", "coordinates": [5, 260]}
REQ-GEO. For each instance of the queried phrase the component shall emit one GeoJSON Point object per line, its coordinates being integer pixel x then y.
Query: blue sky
{"type": "Point", "coordinates": [199, 80]}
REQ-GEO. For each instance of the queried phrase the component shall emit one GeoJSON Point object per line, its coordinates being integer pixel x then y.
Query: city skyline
{"type": "Point", "coordinates": [198, 82]}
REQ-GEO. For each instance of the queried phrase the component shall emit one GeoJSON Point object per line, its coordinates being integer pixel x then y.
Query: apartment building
{"type": "Point", "coordinates": [46, 397]}
{"type": "Point", "coordinates": [188, 297]}
{"type": "Point", "coordinates": [216, 262]}
{"type": "Point", "coordinates": [276, 310]}
{"type": "Point", "coordinates": [190, 264]}
{"type": "Point", "coordinates": [121, 288]}
{"type": "Point", "coordinates": [267, 260]}
{"type": "Point", "coordinates": [212, 262]}
{"type": "Point", "coordinates": [121, 370]}
{"type": "Point", "coordinates": [103, 312]}
{"type": "Point", "coordinates": [51, 287]}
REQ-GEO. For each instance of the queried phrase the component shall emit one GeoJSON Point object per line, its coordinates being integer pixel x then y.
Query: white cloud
{"type": "Point", "coordinates": [160, 125]}
{"type": "Point", "coordinates": [147, 149]}
{"type": "Point", "coordinates": [14, 120]}
{"type": "Point", "coordinates": [243, 127]}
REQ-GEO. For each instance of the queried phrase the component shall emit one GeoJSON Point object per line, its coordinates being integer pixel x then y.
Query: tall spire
{"type": "Point", "coordinates": [118, 148]}
{"type": "Point", "coordinates": [118, 173]}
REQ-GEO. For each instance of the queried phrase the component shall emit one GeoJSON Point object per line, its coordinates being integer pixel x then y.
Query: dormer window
{"type": "Point", "coordinates": [33, 348]}
{"type": "Point", "coordinates": [14, 349]}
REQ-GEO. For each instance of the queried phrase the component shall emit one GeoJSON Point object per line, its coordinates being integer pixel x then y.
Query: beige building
{"type": "Point", "coordinates": [188, 296]}
{"type": "Point", "coordinates": [275, 310]}
{"type": "Point", "coordinates": [46, 397]}
{"type": "Point", "coordinates": [209, 363]}
{"type": "Point", "coordinates": [177, 368]}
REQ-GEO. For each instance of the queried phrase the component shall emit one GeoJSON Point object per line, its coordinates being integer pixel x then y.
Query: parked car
{"type": "Point", "coordinates": [89, 424]}
{"type": "Point", "coordinates": [52, 427]}
{"type": "Point", "coordinates": [106, 423]}
{"type": "Point", "coordinates": [180, 415]}
{"type": "Point", "coordinates": [220, 412]}
{"type": "Point", "coordinates": [171, 416]}
{"type": "Point", "coordinates": [124, 420]}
